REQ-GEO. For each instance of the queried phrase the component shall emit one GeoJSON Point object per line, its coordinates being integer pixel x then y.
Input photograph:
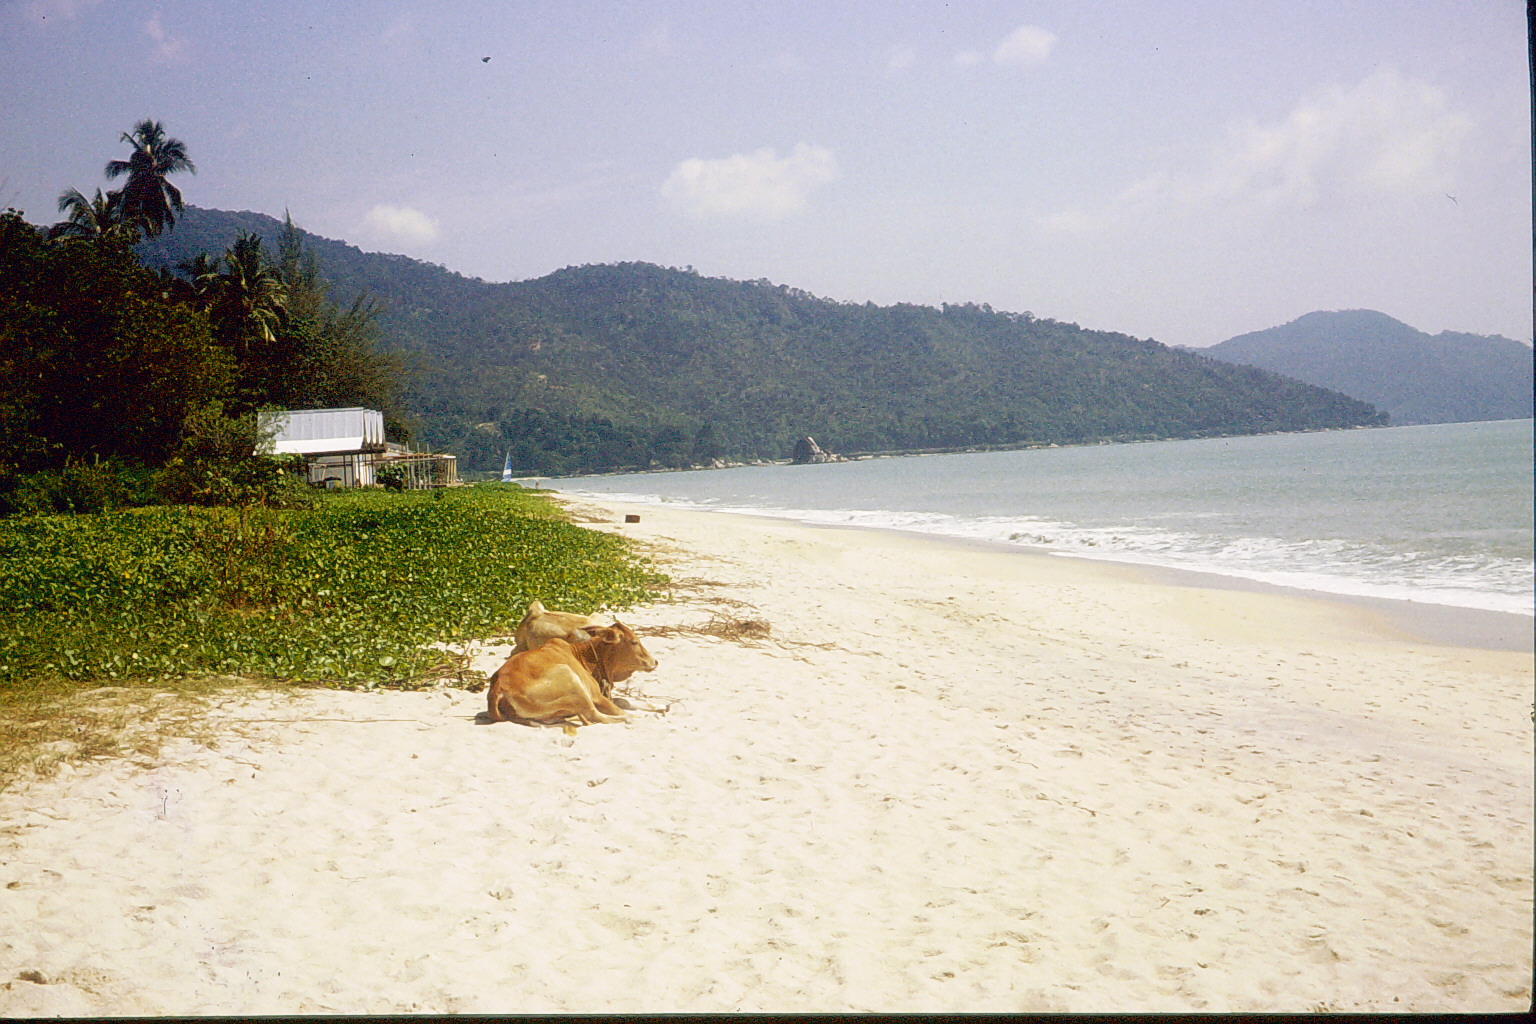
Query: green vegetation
{"type": "Point", "coordinates": [166, 607]}
{"type": "Point", "coordinates": [348, 593]}
{"type": "Point", "coordinates": [95, 362]}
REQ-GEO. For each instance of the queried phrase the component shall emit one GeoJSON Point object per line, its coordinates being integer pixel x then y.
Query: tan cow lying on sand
{"type": "Point", "coordinates": [539, 625]}
{"type": "Point", "coordinates": [565, 679]}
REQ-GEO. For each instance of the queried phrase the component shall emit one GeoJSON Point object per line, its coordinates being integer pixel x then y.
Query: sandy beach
{"type": "Point", "coordinates": [946, 779]}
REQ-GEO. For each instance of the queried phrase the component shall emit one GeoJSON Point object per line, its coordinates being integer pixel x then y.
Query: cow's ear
{"type": "Point", "coordinates": [606, 634]}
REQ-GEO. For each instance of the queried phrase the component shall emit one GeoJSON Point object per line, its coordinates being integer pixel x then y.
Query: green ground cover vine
{"type": "Point", "coordinates": [348, 594]}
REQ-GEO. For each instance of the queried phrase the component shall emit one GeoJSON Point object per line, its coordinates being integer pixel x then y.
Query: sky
{"type": "Point", "coordinates": [1186, 170]}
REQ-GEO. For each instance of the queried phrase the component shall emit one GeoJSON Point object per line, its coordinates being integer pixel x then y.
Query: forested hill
{"type": "Point", "coordinates": [1415, 377]}
{"type": "Point", "coordinates": [631, 365]}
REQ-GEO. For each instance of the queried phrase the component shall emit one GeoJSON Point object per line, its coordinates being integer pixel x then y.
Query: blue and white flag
{"type": "Point", "coordinates": [506, 469]}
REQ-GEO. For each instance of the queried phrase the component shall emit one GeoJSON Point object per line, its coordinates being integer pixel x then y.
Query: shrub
{"type": "Point", "coordinates": [216, 465]}
{"type": "Point", "coordinates": [392, 476]}
{"type": "Point", "coordinates": [274, 482]}
{"type": "Point", "coordinates": [79, 487]}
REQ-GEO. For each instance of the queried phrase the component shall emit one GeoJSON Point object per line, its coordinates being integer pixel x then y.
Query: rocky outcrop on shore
{"type": "Point", "coordinates": [808, 452]}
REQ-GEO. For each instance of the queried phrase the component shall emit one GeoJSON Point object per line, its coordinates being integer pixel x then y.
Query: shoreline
{"type": "Point", "coordinates": [1453, 625]}
{"type": "Point", "coordinates": [1408, 580]}
{"type": "Point", "coordinates": [893, 775]}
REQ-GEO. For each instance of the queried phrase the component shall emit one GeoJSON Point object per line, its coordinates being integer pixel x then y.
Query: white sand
{"type": "Point", "coordinates": [951, 780]}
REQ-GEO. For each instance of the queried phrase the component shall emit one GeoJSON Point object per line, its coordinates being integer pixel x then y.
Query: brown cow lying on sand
{"type": "Point", "coordinates": [539, 625]}
{"type": "Point", "coordinates": [565, 679]}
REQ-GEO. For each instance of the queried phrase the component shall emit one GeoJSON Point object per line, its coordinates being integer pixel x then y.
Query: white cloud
{"type": "Point", "coordinates": [1385, 140]}
{"type": "Point", "coordinates": [400, 224]}
{"type": "Point", "coordinates": [969, 58]}
{"type": "Point", "coordinates": [1026, 46]}
{"type": "Point", "coordinates": [1387, 137]}
{"type": "Point", "coordinates": [758, 185]}
{"type": "Point", "coordinates": [167, 47]}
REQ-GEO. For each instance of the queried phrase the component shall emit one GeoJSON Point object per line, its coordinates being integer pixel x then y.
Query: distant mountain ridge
{"type": "Point", "coordinates": [1415, 377]}
{"type": "Point", "coordinates": [625, 366]}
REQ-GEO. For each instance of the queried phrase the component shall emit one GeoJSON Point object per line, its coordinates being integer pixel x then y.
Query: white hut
{"type": "Point", "coordinates": [346, 448]}
{"type": "Point", "coordinates": [341, 446]}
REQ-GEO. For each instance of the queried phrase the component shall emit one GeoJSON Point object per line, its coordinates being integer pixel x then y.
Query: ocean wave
{"type": "Point", "coordinates": [1328, 566]}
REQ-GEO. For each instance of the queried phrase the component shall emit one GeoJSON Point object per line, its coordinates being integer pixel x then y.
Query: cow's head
{"type": "Point", "coordinates": [622, 652]}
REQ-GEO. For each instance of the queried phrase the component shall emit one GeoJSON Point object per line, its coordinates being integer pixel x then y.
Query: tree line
{"type": "Point", "coordinates": [150, 379]}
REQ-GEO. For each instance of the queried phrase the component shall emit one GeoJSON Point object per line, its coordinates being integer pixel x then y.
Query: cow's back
{"type": "Point", "coordinates": [539, 626]}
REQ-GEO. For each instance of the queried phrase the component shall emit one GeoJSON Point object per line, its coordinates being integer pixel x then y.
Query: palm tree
{"type": "Point", "coordinates": [198, 287]}
{"type": "Point", "coordinates": [147, 194]}
{"type": "Point", "coordinates": [99, 218]}
{"type": "Point", "coordinates": [248, 294]}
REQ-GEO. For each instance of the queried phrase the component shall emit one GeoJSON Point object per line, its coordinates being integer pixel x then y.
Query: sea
{"type": "Point", "coordinates": [1440, 514]}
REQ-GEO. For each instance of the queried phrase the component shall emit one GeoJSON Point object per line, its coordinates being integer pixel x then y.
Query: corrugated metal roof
{"type": "Point", "coordinates": [315, 431]}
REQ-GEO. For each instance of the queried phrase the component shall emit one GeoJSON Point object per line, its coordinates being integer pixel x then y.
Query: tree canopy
{"type": "Point", "coordinates": [98, 217]}
{"type": "Point", "coordinates": [98, 362]}
{"type": "Point", "coordinates": [105, 359]}
{"type": "Point", "coordinates": [148, 197]}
